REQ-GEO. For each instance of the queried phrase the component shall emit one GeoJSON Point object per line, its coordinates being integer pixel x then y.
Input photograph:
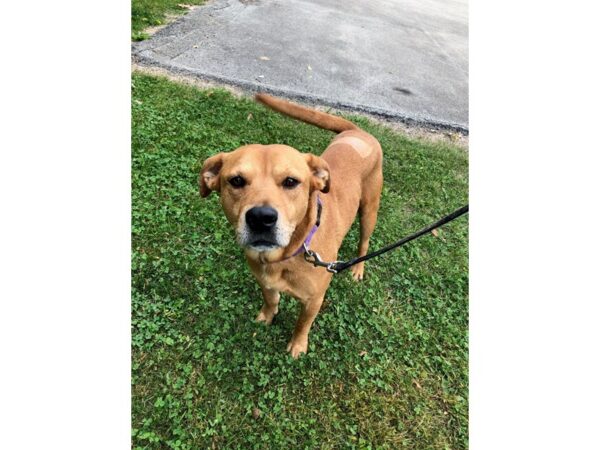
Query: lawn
{"type": "Point", "coordinates": [147, 13]}
{"type": "Point", "coordinates": [388, 358]}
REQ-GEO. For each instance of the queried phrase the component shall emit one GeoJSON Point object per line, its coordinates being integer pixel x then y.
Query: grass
{"type": "Point", "coordinates": [388, 358]}
{"type": "Point", "coordinates": [147, 13]}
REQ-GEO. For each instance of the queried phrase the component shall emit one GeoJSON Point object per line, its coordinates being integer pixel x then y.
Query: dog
{"type": "Point", "coordinates": [279, 200]}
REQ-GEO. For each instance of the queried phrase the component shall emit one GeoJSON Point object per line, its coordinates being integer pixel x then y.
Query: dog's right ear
{"type": "Point", "coordinates": [209, 175]}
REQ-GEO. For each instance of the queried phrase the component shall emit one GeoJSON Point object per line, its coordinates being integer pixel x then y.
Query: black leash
{"type": "Point", "coordinates": [337, 266]}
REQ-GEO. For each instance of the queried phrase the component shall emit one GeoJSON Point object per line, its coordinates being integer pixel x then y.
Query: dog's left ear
{"type": "Point", "coordinates": [320, 170]}
{"type": "Point", "coordinates": [209, 175]}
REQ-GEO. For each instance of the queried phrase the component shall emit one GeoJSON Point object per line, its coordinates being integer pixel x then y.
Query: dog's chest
{"type": "Point", "coordinates": [272, 279]}
{"type": "Point", "coordinates": [279, 280]}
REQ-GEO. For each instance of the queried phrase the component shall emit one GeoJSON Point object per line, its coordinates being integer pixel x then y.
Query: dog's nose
{"type": "Point", "coordinates": [261, 218]}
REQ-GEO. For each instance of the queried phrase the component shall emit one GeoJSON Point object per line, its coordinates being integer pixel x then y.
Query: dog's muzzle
{"type": "Point", "coordinates": [262, 232]}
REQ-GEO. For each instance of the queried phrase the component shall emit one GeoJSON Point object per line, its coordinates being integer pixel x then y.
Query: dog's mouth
{"type": "Point", "coordinates": [263, 244]}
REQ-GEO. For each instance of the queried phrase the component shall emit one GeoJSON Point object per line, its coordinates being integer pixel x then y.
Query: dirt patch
{"type": "Point", "coordinates": [182, 79]}
{"type": "Point", "coordinates": [450, 137]}
{"type": "Point", "coordinates": [414, 131]}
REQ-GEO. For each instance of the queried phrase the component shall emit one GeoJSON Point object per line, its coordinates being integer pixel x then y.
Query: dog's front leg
{"type": "Point", "coordinates": [269, 307]}
{"type": "Point", "coordinates": [299, 341]}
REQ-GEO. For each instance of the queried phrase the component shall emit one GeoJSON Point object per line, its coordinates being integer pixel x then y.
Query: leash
{"type": "Point", "coordinates": [337, 266]}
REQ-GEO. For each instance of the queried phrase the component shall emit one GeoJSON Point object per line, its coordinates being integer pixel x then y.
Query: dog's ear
{"type": "Point", "coordinates": [320, 170]}
{"type": "Point", "coordinates": [209, 175]}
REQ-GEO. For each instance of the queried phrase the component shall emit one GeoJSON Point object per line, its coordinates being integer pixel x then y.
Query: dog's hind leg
{"type": "Point", "coordinates": [270, 306]}
{"type": "Point", "coordinates": [369, 205]}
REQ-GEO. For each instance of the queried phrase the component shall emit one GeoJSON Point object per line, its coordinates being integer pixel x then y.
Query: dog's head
{"type": "Point", "coordinates": [264, 191]}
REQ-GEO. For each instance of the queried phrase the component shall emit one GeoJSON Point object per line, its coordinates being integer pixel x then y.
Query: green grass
{"type": "Point", "coordinates": [146, 13]}
{"type": "Point", "coordinates": [388, 358]}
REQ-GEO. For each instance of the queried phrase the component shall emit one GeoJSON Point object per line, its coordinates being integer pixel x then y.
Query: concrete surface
{"type": "Point", "coordinates": [404, 59]}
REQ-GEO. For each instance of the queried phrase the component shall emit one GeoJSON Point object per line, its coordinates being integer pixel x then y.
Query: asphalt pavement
{"type": "Point", "coordinates": [406, 60]}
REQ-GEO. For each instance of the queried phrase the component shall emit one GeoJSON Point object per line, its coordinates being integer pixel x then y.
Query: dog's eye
{"type": "Point", "coordinates": [237, 181]}
{"type": "Point", "coordinates": [290, 183]}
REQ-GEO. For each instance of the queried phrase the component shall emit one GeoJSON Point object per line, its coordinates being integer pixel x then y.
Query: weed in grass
{"type": "Point", "coordinates": [387, 362]}
{"type": "Point", "coordinates": [149, 13]}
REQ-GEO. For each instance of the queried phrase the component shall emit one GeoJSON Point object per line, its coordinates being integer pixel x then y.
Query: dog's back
{"type": "Point", "coordinates": [352, 151]}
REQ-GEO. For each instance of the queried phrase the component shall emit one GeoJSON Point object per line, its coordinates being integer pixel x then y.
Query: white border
{"type": "Point", "coordinates": [534, 213]}
{"type": "Point", "coordinates": [64, 174]}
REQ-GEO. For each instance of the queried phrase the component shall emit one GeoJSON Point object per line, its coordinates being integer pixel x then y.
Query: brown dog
{"type": "Point", "coordinates": [269, 194]}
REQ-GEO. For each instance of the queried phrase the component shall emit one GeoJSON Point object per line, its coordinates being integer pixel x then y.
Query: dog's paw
{"type": "Point", "coordinates": [297, 346]}
{"type": "Point", "coordinates": [358, 271]}
{"type": "Point", "coordinates": [266, 316]}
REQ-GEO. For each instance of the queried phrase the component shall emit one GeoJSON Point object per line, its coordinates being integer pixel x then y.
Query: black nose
{"type": "Point", "coordinates": [261, 218]}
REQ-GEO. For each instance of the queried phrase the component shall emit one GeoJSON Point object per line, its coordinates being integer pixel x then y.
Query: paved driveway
{"type": "Point", "coordinates": [406, 59]}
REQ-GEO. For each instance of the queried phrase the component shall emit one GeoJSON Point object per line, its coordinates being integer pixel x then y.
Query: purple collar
{"type": "Point", "coordinates": [306, 244]}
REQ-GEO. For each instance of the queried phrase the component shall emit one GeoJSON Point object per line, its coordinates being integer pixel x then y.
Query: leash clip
{"type": "Point", "coordinates": [330, 267]}
{"type": "Point", "coordinates": [315, 259]}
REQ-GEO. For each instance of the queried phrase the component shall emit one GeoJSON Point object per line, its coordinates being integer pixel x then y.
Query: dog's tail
{"type": "Point", "coordinates": [311, 116]}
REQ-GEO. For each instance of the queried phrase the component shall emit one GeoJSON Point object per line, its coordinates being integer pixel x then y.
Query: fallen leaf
{"type": "Point", "coordinates": [434, 232]}
{"type": "Point", "coordinates": [265, 58]}
{"type": "Point", "coordinates": [416, 383]}
{"type": "Point", "coordinates": [256, 412]}
{"type": "Point", "coordinates": [363, 353]}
